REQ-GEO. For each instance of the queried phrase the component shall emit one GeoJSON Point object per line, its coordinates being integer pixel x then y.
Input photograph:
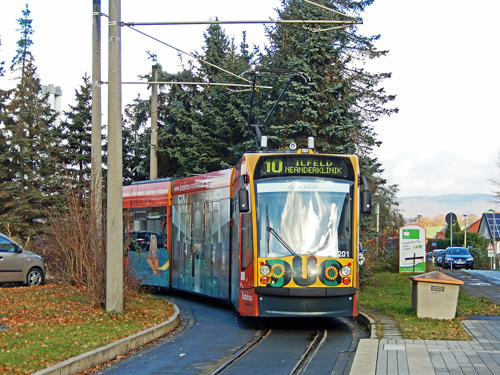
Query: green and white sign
{"type": "Point", "coordinates": [411, 249]}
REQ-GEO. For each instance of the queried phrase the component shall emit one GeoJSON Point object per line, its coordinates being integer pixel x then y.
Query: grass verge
{"type": "Point", "coordinates": [390, 294]}
{"type": "Point", "coordinates": [51, 323]}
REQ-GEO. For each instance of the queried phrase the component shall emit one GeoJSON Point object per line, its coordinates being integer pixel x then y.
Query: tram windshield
{"type": "Point", "coordinates": [304, 216]}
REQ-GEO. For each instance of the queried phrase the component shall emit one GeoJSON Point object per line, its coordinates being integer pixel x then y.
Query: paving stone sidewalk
{"type": "Point", "coordinates": [426, 357]}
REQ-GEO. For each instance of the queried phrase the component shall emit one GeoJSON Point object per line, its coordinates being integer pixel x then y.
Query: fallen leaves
{"type": "Point", "coordinates": [50, 323]}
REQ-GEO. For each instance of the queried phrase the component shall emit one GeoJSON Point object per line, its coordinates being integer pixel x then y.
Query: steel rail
{"type": "Point", "coordinates": [240, 353]}
{"type": "Point", "coordinates": [309, 353]}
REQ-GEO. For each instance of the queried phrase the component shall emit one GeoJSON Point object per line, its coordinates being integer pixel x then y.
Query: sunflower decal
{"type": "Point", "coordinates": [331, 273]}
{"type": "Point", "coordinates": [277, 270]}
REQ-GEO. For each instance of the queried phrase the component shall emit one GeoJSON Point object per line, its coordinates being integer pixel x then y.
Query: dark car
{"type": "Point", "coordinates": [439, 258]}
{"type": "Point", "coordinates": [18, 265]}
{"type": "Point", "coordinates": [458, 257]}
{"type": "Point", "coordinates": [139, 241]}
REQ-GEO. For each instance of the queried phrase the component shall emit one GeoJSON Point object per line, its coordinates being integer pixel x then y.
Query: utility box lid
{"type": "Point", "coordinates": [436, 277]}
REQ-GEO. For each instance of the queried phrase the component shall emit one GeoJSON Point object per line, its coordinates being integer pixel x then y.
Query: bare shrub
{"type": "Point", "coordinates": [73, 243]}
{"type": "Point", "coordinates": [74, 249]}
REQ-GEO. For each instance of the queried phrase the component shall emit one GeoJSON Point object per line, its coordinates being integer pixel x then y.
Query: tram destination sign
{"type": "Point", "coordinates": [304, 165]}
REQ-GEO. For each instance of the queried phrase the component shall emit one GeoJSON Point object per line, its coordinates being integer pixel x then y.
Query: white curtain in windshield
{"type": "Point", "coordinates": [304, 216]}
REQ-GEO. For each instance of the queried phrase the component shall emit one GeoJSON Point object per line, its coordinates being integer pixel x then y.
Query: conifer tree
{"type": "Point", "coordinates": [30, 172]}
{"type": "Point", "coordinates": [136, 140]}
{"type": "Point", "coordinates": [75, 133]}
{"type": "Point", "coordinates": [335, 100]}
{"type": "Point", "coordinates": [204, 128]}
{"type": "Point", "coordinates": [24, 43]}
{"type": "Point", "coordinates": [339, 100]}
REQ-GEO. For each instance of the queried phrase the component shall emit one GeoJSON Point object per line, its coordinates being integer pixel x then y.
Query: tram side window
{"type": "Point", "coordinates": [147, 222]}
{"type": "Point", "coordinates": [246, 241]}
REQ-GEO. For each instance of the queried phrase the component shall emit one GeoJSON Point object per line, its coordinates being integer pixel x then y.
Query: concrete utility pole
{"type": "Point", "coordinates": [153, 166]}
{"type": "Point", "coordinates": [114, 243]}
{"type": "Point", "coordinates": [96, 156]}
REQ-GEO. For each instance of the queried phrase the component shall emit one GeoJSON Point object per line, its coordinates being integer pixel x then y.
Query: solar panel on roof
{"type": "Point", "coordinates": [493, 220]}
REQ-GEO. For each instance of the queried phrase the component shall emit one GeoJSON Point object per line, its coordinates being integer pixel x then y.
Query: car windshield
{"type": "Point", "coordinates": [460, 252]}
{"type": "Point", "coordinates": [304, 216]}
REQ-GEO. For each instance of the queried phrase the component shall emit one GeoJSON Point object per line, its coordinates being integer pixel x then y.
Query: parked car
{"type": "Point", "coordinates": [439, 258]}
{"type": "Point", "coordinates": [18, 265]}
{"type": "Point", "coordinates": [458, 257]}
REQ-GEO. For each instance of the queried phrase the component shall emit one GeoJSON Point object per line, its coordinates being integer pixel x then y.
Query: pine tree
{"type": "Point", "coordinates": [136, 140]}
{"type": "Point", "coordinates": [24, 43]}
{"type": "Point", "coordinates": [339, 100]}
{"type": "Point", "coordinates": [29, 160]}
{"type": "Point", "coordinates": [334, 99]}
{"type": "Point", "coordinates": [204, 128]}
{"type": "Point", "coordinates": [75, 132]}
{"type": "Point", "coordinates": [31, 152]}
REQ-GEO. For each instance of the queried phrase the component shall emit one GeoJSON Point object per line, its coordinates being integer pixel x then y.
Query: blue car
{"type": "Point", "coordinates": [439, 258]}
{"type": "Point", "coordinates": [458, 257]}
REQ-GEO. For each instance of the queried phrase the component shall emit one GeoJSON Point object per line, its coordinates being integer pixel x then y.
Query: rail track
{"type": "Point", "coordinates": [213, 339]}
{"type": "Point", "coordinates": [315, 341]}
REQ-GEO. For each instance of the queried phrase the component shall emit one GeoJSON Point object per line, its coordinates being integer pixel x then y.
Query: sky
{"type": "Point", "coordinates": [443, 55]}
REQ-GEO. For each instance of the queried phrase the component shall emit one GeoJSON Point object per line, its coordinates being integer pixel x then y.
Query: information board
{"type": "Point", "coordinates": [411, 249]}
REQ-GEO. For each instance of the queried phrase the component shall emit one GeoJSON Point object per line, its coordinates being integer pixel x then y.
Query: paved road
{"type": "Point", "coordinates": [480, 283]}
{"type": "Point", "coordinates": [209, 330]}
{"type": "Point", "coordinates": [212, 331]}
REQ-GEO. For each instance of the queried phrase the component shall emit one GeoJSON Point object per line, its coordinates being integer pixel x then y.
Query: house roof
{"type": "Point", "coordinates": [489, 225]}
{"type": "Point", "coordinates": [431, 232]}
{"type": "Point", "coordinates": [474, 227]}
{"type": "Point", "coordinates": [439, 236]}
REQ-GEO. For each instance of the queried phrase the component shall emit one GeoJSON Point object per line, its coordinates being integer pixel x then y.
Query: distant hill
{"type": "Point", "coordinates": [460, 204]}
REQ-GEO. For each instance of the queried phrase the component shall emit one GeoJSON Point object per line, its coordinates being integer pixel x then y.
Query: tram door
{"type": "Point", "coordinates": [200, 242]}
{"type": "Point", "coordinates": [198, 261]}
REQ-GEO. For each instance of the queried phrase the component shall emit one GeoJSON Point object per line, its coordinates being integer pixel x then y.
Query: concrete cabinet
{"type": "Point", "coordinates": [435, 295]}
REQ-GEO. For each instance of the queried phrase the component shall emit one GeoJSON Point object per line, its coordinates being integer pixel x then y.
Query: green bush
{"type": "Point", "coordinates": [387, 260]}
{"type": "Point", "coordinates": [481, 260]}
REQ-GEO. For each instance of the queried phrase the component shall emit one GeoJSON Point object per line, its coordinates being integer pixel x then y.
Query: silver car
{"type": "Point", "coordinates": [18, 265]}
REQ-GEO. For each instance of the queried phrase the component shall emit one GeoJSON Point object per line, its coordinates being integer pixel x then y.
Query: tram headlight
{"type": "Point", "coordinates": [265, 269]}
{"type": "Point", "coordinates": [345, 271]}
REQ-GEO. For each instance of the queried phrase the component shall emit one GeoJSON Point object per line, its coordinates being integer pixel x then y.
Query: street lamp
{"type": "Point", "coordinates": [465, 232]}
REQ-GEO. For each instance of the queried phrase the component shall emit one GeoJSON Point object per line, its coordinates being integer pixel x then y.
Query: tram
{"type": "Point", "coordinates": [276, 236]}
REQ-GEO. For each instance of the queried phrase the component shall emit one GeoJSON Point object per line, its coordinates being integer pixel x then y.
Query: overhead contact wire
{"type": "Point", "coordinates": [188, 54]}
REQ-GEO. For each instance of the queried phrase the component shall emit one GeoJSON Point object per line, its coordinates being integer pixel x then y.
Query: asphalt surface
{"type": "Point", "coordinates": [210, 331]}
{"type": "Point", "coordinates": [479, 283]}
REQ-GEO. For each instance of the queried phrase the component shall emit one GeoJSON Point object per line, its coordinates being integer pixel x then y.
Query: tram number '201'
{"type": "Point", "coordinates": [274, 166]}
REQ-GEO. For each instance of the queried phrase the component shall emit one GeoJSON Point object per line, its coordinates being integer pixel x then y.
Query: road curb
{"type": "Point", "coordinates": [369, 322]}
{"type": "Point", "coordinates": [106, 353]}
